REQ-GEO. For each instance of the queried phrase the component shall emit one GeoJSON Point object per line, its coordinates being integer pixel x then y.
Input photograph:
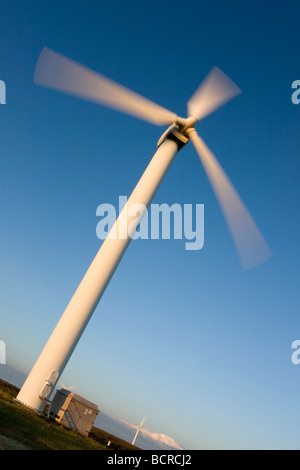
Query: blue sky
{"type": "Point", "coordinates": [188, 339]}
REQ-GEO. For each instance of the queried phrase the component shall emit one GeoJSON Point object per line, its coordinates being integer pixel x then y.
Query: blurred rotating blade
{"type": "Point", "coordinates": [53, 70]}
{"type": "Point", "coordinates": [142, 422]}
{"type": "Point", "coordinates": [250, 244]}
{"type": "Point", "coordinates": [214, 91]}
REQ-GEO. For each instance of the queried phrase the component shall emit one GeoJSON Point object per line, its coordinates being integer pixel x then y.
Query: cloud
{"type": "Point", "coordinates": [163, 439]}
{"type": "Point", "coordinates": [159, 439]}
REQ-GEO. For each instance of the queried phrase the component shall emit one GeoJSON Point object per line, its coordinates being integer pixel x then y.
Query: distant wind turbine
{"type": "Point", "coordinates": [68, 388]}
{"type": "Point", "coordinates": [138, 430]}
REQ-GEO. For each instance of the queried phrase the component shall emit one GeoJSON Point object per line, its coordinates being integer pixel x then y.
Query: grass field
{"type": "Point", "coordinates": [21, 429]}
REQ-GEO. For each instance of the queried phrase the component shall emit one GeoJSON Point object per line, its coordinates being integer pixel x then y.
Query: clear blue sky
{"type": "Point", "coordinates": [186, 338]}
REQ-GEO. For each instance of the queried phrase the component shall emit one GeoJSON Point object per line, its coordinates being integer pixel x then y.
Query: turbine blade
{"type": "Point", "coordinates": [56, 71]}
{"type": "Point", "coordinates": [250, 244]}
{"type": "Point", "coordinates": [142, 422]}
{"type": "Point", "coordinates": [214, 91]}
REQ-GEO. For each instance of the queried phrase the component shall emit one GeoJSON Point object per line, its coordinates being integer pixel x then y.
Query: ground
{"type": "Point", "coordinates": [22, 429]}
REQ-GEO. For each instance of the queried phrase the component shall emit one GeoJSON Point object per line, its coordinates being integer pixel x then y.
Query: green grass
{"type": "Point", "coordinates": [22, 428]}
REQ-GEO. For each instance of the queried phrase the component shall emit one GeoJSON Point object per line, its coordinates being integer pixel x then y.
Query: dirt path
{"type": "Point", "coordinates": [11, 444]}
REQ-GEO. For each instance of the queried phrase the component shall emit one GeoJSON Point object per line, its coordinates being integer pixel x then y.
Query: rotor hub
{"type": "Point", "coordinates": [178, 131]}
{"type": "Point", "coordinates": [174, 133]}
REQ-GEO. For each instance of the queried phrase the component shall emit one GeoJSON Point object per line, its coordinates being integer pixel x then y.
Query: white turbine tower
{"type": "Point", "coordinates": [138, 430]}
{"type": "Point", "coordinates": [58, 72]}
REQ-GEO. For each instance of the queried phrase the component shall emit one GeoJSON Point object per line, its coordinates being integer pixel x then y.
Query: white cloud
{"type": "Point", "coordinates": [160, 440]}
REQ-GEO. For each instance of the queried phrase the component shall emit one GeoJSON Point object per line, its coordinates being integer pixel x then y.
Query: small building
{"type": "Point", "coordinates": [73, 411]}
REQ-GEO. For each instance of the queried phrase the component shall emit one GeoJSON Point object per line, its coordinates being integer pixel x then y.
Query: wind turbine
{"type": "Point", "coordinates": [138, 430]}
{"type": "Point", "coordinates": [68, 388]}
{"type": "Point", "coordinates": [55, 71]}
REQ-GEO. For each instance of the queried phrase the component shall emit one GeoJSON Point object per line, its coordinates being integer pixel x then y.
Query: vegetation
{"type": "Point", "coordinates": [21, 428]}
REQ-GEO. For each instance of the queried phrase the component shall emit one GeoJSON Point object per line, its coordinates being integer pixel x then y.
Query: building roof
{"type": "Point", "coordinates": [79, 399]}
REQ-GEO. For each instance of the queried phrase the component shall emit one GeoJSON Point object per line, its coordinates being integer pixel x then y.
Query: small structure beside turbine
{"type": "Point", "coordinates": [73, 411]}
